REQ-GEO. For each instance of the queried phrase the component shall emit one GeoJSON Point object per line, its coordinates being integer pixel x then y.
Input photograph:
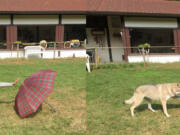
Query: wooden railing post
{"type": "Point", "coordinates": [54, 50]}
{"type": "Point", "coordinates": [143, 54]}
{"type": "Point", "coordinates": [96, 57]}
{"type": "Point", "coordinates": [17, 50]}
{"type": "Point", "coordinates": [85, 43]}
{"type": "Point", "coordinates": [12, 47]}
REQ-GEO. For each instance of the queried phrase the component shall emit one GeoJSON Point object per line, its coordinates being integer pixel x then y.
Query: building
{"type": "Point", "coordinates": [109, 25]}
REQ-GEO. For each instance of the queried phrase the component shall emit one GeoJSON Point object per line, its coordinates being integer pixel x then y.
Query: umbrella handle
{"type": "Point", "coordinates": [52, 108]}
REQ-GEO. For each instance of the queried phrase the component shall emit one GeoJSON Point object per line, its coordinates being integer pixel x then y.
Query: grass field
{"type": "Point", "coordinates": [110, 84]}
{"type": "Point", "coordinates": [89, 103]}
{"type": "Point", "coordinates": [68, 97]}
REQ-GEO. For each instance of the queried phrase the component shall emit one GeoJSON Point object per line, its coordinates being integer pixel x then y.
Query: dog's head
{"type": "Point", "coordinates": [176, 88]}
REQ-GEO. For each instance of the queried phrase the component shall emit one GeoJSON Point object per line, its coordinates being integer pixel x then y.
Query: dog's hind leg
{"type": "Point", "coordinates": [149, 102]}
{"type": "Point", "coordinates": [136, 103]}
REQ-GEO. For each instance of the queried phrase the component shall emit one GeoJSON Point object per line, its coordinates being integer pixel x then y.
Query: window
{"type": "Point", "coordinates": [2, 37]}
{"type": "Point", "coordinates": [155, 37]}
{"type": "Point", "coordinates": [27, 34]}
{"type": "Point", "coordinates": [74, 32]}
{"type": "Point", "coordinates": [96, 22]}
{"type": "Point", "coordinates": [30, 34]}
{"type": "Point", "coordinates": [47, 33]}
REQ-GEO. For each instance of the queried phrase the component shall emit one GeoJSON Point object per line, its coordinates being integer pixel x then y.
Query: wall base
{"type": "Point", "coordinates": [48, 54]}
{"type": "Point", "coordinates": [155, 58]}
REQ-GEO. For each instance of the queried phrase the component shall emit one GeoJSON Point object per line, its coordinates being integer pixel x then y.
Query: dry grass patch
{"type": "Point", "coordinates": [71, 106]}
{"type": "Point", "coordinates": [68, 97]}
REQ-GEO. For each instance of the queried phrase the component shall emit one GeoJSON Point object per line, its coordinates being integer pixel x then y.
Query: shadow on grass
{"type": "Point", "coordinates": [32, 115]}
{"type": "Point", "coordinates": [156, 107]}
{"type": "Point", "coordinates": [6, 102]}
{"type": "Point", "coordinates": [29, 116]}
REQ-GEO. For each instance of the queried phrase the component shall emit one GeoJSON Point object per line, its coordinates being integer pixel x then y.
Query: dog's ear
{"type": "Point", "coordinates": [178, 85]}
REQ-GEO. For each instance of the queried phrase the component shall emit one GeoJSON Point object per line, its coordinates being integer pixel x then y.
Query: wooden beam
{"type": "Point", "coordinates": [178, 20]}
{"type": "Point", "coordinates": [109, 41]}
{"type": "Point", "coordinates": [37, 34]}
{"type": "Point", "coordinates": [60, 33]}
{"type": "Point", "coordinates": [12, 19]}
{"type": "Point", "coordinates": [126, 42]}
{"type": "Point", "coordinates": [11, 35]}
{"type": "Point", "coordinates": [176, 34]}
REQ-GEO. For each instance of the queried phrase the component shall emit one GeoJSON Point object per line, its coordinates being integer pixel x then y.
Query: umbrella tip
{"type": "Point", "coordinates": [15, 82]}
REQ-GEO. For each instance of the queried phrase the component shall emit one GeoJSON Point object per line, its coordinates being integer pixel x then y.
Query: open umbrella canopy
{"type": "Point", "coordinates": [34, 91]}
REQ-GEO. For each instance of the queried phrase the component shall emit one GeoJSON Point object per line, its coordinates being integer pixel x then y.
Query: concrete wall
{"type": "Point", "coordinates": [155, 58]}
{"type": "Point", "coordinates": [48, 54]}
{"type": "Point", "coordinates": [114, 24]}
{"type": "Point", "coordinates": [70, 53]}
{"type": "Point", "coordinates": [5, 19]}
{"type": "Point", "coordinates": [36, 19]}
{"type": "Point", "coordinates": [102, 52]}
{"type": "Point", "coordinates": [73, 19]}
{"type": "Point", "coordinates": [150, 22]}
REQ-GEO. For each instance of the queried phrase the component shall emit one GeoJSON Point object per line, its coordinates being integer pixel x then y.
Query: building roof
{"type": "Point", "coordinates": [154, 7]}
{"type": "Point", "coordinates": [164, 7]}
{"type": "Point", "coordinates": [42, 5]}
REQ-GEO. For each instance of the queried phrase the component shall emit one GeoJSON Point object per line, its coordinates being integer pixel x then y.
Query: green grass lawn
{"type": "Point", "coordinates": [109, 85]}
{"type": "Point", "coordinates": [68, 97]}
{"type": "Point", "coordinates": [89, 103]}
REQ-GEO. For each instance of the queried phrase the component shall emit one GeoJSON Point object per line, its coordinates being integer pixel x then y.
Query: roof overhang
{"type": "Point", "coordinates": [90, 13]}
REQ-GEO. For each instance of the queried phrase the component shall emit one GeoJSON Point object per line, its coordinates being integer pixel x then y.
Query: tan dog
{"type": "Point", "coordinates": [160, 92]}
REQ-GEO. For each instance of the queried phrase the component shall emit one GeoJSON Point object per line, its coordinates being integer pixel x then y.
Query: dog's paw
{"type": "Point", "coordinates": [155, 110]}
{"type": "Point", "coordinates": [152, 110]}
{"type": "Point", "coordinates": [167, 115]}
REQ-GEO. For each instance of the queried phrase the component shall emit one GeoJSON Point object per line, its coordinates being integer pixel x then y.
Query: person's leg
{"type": "Point", "coordinates": [5, 84]}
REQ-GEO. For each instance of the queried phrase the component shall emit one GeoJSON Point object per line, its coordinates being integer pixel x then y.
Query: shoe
{"type": "Point", "coordinates": [15, 82]}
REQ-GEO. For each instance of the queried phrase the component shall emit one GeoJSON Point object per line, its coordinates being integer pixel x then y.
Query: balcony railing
{"type": "Point", "coordinates": [3, 45]}
{"type": "Point", "coordinates": [52, 45]}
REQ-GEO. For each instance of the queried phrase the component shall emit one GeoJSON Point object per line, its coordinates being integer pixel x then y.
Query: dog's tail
{"type": "Point", "coordinates": [131, 100]}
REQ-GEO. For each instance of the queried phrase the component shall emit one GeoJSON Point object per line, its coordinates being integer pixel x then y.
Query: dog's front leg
{"type": "Point", "coordinates": [165, 107]}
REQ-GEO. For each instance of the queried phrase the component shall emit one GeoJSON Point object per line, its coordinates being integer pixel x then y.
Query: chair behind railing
{"type": "Point", "coordinates": [31, 50]}
{"type": "Point", "coordinates": [75, 44]}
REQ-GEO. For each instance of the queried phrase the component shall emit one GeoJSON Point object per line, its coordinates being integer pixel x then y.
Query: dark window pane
{"type": "Point", "coordinates": [96, 22]}
{"type": "Point", "coordinates": [159, 38]}
{"type": "Point", "coordinates": [36, 33]}
{"type": "Point", "coordinates": [2, 37]}
{"type": "Point", "coordinates": [27, 34]}
{"type": "Point", "coordinates": [74, 32]}
{"type": "Point", "coordinates": [47, 33]}
{"type": "Point", "coordinates": [2, 34]}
